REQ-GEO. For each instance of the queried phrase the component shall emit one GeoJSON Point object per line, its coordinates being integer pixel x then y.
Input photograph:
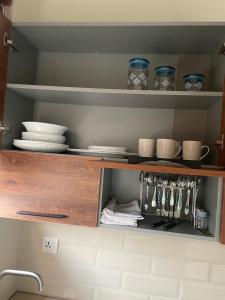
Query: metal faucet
{"type": "Point", "coordinates": [34, 275]}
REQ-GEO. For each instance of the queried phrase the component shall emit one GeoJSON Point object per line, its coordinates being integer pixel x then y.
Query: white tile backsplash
{"type": "Point", "coordinates": [77, 254]}
{"type": "Point", "coordinates": [218, 274]}
{"type": "Point", "coordinates": [162, 298]}
{"type": "Point", "coordinates": [147, 284]}
{"type": "Point", "coordinates": [97, 238]}
{"type": "Point", "coordinates": [123, 261]}
{"type": "Point", "coordinates": [154, 245]}
{"type": "Point", "coordinates": [200, 291]}
{"type": "Point", "coordinates": [205, 251]}
{"type": "Point", "coordinates": [99, 264]}
{"type": "Point", "coordinates": [109, 294]}
{"type": "Point", "coordinates": [180, 268]}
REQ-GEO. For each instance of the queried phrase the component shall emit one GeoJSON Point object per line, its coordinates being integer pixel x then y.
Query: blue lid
{"type": "Point", "coordinates": [138, 63]}
{"type": "Point", "coordinates": [199, 77]}
{"type": "Point", "coordinates": [165, 71]}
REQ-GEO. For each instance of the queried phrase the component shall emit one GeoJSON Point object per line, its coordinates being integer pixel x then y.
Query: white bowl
{"type": "Point", "coordinates": [44, 128]}
{"type": "Point", "coordinates": [43, 137]}
{"type": "Point", "coordinates": [107, 149]}
{"type": "Point", "coordinates": [40, 146]}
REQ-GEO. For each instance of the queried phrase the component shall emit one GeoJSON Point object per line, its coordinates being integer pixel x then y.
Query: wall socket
{"type": "Point", "coordinates": [50, 245]}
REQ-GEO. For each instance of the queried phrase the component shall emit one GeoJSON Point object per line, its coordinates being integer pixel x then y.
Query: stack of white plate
{"type": "Point", "coordinates": [43, 137]}
{"type": "Point", "coordinates": [103, 151]}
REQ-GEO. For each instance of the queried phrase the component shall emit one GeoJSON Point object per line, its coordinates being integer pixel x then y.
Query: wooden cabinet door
{"type": "Point", "coordinates": [5, 27]}
{"type": "Point", "coordinates": [51, 187]}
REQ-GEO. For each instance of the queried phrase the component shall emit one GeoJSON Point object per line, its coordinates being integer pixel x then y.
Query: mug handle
{"type": "Point", "coordinates": [207, 152]}
{"type": "Point", "coordinates": [179, 150]}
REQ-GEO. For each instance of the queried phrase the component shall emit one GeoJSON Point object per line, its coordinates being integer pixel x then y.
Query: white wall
{"type": "Point", "coordinates": [99, 264]}
{"type": "Point", "coordinates": [118, 11]}
{"type": "Point", "coordinates": [9, 242]}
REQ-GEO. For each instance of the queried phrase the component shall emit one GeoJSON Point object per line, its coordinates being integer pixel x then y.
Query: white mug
{"type": "Point", "coordinates": [167, 148]}
{"type": "Point", "coordinates": [146, 147]}
{"type": "Point", "coordinates": [192, 150]}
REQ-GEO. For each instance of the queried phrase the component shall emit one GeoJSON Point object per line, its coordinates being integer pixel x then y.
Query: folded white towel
{"type": "Point", "coordinates": [121, 214]}
{"type": "Point", "coordinates": [117, 221]}
{"type": "Point", "coordinates": [129, 209]}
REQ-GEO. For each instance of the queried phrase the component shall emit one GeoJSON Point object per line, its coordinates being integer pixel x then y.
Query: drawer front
{"type": "Point", "coordinates": [48, 187]}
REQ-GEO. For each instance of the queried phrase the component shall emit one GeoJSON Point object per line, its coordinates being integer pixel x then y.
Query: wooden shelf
{"type": "Point", "coordinates": [185, 228]}
{"type": "Point", "coordinates": [157, 169]}
{"type": "Point", "coordinates": [123, 38]}
{"type": "Point", "coordinates": [118, 97]}
{"type": "Point", "coordinates": [98, 162]}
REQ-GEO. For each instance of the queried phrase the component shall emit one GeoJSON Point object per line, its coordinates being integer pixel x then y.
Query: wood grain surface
{"type": "Point", "coordinates": [49, 183]}
{"type": "Point", "coordinates": [157, 169]}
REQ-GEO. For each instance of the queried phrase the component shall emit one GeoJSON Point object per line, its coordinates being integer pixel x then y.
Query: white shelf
{"type": "Point", "coordinates": [117, 97]}
{"type": "Point", "coordinates": [124, 38]}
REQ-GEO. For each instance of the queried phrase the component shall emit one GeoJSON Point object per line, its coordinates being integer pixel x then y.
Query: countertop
{"type": "Point", "coordinates": [24, 296]}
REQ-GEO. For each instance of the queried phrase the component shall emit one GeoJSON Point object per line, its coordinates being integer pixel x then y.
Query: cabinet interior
{"type": "Point", "coordinates": [123, 185]}
{"type": "Point", "coordinates": [97, 57]}
{"type": "Point", "coordinates": [76, 76]}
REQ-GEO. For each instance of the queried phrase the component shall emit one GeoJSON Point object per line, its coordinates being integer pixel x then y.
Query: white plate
{"type": "Point", "coordinates": [44, 128]}
{"type": "Point", "coordinates": [40, 146]}
{"type": "Point", "coordinates": [89, 152]}
{"type": "Point", "coordinates": [109, 149]}
{"type": "Point", "coordinates": [43, 137]}
{"type": "Point", "coordinates": [163, 163]}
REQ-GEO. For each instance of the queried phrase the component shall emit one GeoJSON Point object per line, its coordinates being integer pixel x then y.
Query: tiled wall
{"type": "Point", "coordinates": [100, 264]}
{"type": "Point", "coordinates": [9, 239]}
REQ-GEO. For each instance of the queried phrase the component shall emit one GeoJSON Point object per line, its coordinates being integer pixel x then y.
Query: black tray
{"type": "Point", "coordinates": [187, 163]}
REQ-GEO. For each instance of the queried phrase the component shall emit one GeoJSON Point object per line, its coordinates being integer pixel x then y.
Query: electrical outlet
{"type": "Point", "coordinates": [50, 245]}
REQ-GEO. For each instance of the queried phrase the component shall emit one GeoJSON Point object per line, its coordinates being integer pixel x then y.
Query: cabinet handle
{"type": "Point", "coordinates": [38, 214]}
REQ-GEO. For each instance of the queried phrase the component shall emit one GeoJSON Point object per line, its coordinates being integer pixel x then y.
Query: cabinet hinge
{"type": "Point", "coordinates": [4, 4]}
{"type": "Point", "coordinates": [7, 42]}
{"type": "Point", "coordinates": [5, 129]}
{"type": "Point", "coordinates": [220, 142]}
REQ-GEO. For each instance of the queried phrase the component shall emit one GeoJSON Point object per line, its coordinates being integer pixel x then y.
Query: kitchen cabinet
{"type": "Point", "coordinates": [75, 75]}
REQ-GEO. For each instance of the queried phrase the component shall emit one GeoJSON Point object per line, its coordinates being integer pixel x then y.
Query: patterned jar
{"type": "Point", "coordinates": [194, 82]}
{"type": "Point", "coordinates": [164, 78]}
{"type": "Point", "coordinates": [202, 219]}
{"type": "Point", "coordinates": [138, 74]}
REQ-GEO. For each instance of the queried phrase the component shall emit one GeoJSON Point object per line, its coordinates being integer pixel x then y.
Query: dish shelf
{"type": "Point", "coordinates": [185, 228]}
{"type": "Point", "coordinates": [118, 97]}
{"type": "Point", "coordinates": [123, 37]}
{"type": "Point", "coordinates": [124, 186]}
